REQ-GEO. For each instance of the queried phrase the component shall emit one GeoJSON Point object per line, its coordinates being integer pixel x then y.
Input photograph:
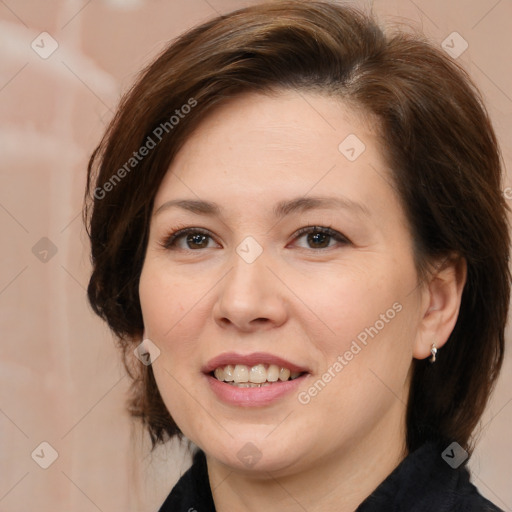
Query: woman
{"type": "Point", "coordinates": [297, 227]}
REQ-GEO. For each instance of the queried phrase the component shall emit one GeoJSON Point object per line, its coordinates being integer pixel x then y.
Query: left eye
{"type": "Point", "coordinates": [320, 237]}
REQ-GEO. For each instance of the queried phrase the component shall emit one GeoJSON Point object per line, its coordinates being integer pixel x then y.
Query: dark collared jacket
{"type": "Point", "coordinates": [422, 482]}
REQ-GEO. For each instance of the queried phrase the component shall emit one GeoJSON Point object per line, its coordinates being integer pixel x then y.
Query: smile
{"type": "Point", "coordinates": [259, 375]}
{"type": "Point", "coordinates": [253, 380]}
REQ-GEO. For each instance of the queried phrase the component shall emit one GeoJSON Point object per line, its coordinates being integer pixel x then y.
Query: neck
{"type": "Point", "coordinates": [338, 482]}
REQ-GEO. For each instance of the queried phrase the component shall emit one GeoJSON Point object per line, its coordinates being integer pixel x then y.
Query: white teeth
{"type": "Point", "coordinates": [257, 375]}
{"type": "Point", "coordinates": [250, 385]}
{"type": "Point", "coordinates": [273, 373]}
{"type": "Point", "coordinates": [228, 373]}
{"type": "Point", "coordinates": [219, 374]}
{"type": "Point", "coordinates": [284, 374]}
{"type": "Point", "coordinates": [241, 373]}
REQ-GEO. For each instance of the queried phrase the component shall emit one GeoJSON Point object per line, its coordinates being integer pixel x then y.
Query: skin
{"type": "Point", "coordinates": [299, 300]}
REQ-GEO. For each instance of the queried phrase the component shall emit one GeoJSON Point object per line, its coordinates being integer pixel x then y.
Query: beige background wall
{"type": "Point", "coordinates": [61, 380]}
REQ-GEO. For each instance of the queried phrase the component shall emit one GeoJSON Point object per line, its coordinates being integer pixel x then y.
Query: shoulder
{"type": "Point", "coordinates": [465, 497]}
{"type": "Point", "coordinates": [425, 482]}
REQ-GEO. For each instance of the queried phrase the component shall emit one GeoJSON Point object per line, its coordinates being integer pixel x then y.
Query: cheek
{"type": "Point", "coordinates": [167, 304]}
{"type": "Point", "coordinates": [366, 367]}
{"type": "Point", "coordinates": [369, 318]}
{"type": "Point", "coordinates": [353, 301]}
{"type": "Point", "coordinates": [175, 311]}
{"type": "Point", "coordinates": [165, 299]}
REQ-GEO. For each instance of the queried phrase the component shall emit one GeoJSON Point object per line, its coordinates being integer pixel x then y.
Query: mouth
{"type": "Point", "coordinates": [257, 379]}
{"type": "Point", "coordinates": [257, 376]}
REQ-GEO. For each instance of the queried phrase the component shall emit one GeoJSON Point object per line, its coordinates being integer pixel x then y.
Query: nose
{"type": "Point", "coordinates": [251, 297]}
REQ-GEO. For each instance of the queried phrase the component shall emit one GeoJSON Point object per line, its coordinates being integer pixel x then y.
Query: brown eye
{"type": "Point", "coordinates": [197, 240]}
{"type": "Point", "coordinates": [318, 240]}
{"type": "Point", "coordinates": [194, 239]}
{"type": "Point", "coordinates": [318, 237]}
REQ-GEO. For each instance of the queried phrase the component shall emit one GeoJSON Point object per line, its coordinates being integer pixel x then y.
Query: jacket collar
{"type": "Point", "coordinates": [423, 482]}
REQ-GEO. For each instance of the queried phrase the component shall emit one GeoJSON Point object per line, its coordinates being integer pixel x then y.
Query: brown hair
{"type": "Point", "coordinates": [436, 135]}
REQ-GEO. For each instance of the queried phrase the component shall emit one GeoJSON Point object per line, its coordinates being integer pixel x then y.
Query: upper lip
{"type": "Point", "coordinates": [250, 360]}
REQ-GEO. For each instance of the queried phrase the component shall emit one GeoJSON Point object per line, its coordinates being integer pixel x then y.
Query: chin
{"type": "Point", "coordinates": [255, 454]}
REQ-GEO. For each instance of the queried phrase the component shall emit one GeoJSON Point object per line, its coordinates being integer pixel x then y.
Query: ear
{"type": "Point", "coordinates": [440, 305]}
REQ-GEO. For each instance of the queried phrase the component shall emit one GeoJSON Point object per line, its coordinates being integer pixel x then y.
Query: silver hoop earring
{"type": "Point", "coordinates": [433, 351]}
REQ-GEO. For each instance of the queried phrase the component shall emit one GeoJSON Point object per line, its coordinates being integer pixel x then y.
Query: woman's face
{"type": "Point", "coordinates": [246, 293]}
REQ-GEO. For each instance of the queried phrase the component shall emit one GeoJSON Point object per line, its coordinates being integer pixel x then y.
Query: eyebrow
{"type": "Point", "coordinates": [280, 210]}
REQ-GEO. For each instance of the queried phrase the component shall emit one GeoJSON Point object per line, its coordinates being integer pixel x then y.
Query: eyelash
{"type": "Point", "coordinates": [169, 242]}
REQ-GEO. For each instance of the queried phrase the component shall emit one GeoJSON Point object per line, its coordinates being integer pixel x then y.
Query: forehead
{"type": "Point", "coordinates": [266, 148]}
{"type": "Point", "coordinates": [284, 121]}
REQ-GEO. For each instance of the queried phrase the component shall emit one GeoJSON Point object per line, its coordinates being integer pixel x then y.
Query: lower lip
{"type": "Point", "coordinates": [253, 397]}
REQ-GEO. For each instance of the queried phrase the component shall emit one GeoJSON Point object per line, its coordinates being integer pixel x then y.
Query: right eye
{"type": "Point", "coordinates": [194, 238]}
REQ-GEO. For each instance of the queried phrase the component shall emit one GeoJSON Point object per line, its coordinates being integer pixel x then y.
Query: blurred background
{"type": "Point", "coordinates": [63, 67]}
